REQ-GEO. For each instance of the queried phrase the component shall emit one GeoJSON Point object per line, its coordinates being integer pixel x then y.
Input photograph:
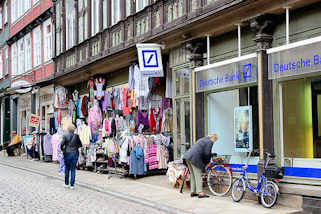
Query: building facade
{"type": "Point", "coordinates": [32, 68]}
{"type": "Point", "coordinates": [4, 71]}
{"type": "Point", "coordinates": [99, 37]}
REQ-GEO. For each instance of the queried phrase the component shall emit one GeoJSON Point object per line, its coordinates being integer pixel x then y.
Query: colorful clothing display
{"type": "Point", "coordinates": [95, 118]}
{"type": "Point", "coordinates": [99, 93]}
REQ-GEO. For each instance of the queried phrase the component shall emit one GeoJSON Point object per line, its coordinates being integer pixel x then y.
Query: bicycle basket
{"type": "Point", "coordinates": [274, 171]}
{"type": "Point", "coordinates": [218, 160]}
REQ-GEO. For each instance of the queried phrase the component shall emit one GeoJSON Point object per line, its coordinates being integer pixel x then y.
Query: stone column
{"type": "Point", "coordinates": [196, 49]}
{"type": "Point", "coordinates": [264, 26]}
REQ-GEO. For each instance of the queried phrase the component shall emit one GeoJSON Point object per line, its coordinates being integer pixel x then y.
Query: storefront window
{"type": "Point", "coordinates": [182, 104]}
{"type": "Point", "coordinates": [183, 126]}
{"type": "Point", "coordinates": [300, 111]}
{"type": "Point", "coordinates": [220, 119]}
{"type": "Point", "coordinates": [182, 79]}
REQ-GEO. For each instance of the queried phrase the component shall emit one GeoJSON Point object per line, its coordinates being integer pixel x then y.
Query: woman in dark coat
{"type": "Point", "coordinates": [197, 157]}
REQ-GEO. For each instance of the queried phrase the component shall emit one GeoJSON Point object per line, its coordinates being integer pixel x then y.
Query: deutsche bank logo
{"type": "Point", "coordinates": [247, 71]}
{"type": "Point", "coordinates": [150, 58]}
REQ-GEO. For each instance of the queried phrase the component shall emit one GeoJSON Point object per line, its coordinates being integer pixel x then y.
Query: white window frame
{"type": "Point", "coordinates": [21, 8]}
{"type": "Point", "coordinates": [13, 10]}
{"type": "Point", "coordinates": [28, 52]}
{"type": "Point", "coordinates": [47, 40]}
{"type": "Point", "coordinates": [105, 14]}
{"type": "Point", "coordinates": [5, 12]}
{"type": "Point", "coordinates": [1, 65]}
{"type": "Point", "coordinates": [115, 6]}
{"type": "Point", "coordinates": [6, 61]}
{"type": "Point", "coordinates": [70, 24]}
{"type": "Point", "coordinates": [35, 2]}
{"type": "Point", "coordinates": [94, 17]}
{"type": "Point", "coordinates": [14, 61]}
{"type": "Point", "coordinates": [141, 4]}
{"type": "Point", "coordinates": [27, 5]}
{"type": "Point", "coordinates": [37, 46]}
{"type": "Point", "coordinates": [21, 56]}
{"type": "Point", "coordinates": [1, 18]}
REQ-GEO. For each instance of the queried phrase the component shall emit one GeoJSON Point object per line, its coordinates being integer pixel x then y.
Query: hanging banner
{"type": "Point", "coordinates": [150, 60]}
{"type": "Point", "coordinates": [243, 132]}
{"type": "Point", "coordinates": [34, 120]}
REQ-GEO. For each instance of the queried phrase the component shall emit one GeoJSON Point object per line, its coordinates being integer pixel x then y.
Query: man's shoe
{"type": "Point", "coordinates": [203, 196]}
{"type": "Point", "coordinates": [72, 187]}
{"type": "Point", "coordinates": [193, 194]}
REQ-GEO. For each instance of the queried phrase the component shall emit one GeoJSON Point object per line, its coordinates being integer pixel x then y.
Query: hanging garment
{"type": "Point", "coordinates": [155, 121]}
{"type": "Point", "coordinates": [125, 98]}
{"type": "Point", "coordinates": [141, 83]}
{"type": "Point", "coordinates": [99, 93]}
{"type": "Point", "coordinates": [131, 79]}
{"type": "Point", "coordinates": [55, 141]}
{"type": "Point", "coordinates": [94, 119]}
{"type": "Point", "coordinates": [142, 118]}
{"type": "Point", "coordinates": [105, 102]}
{"type": "Point", "coordinates": [90, 85]}
{"type": "Point", "coordinates": [84, 107]}
{"type": "Point", "coordinates": [137, 161]}
{"type": "Point", "coordinates": [167, 120]}
{"type": "Point", "coordinates": [47, 144]}
{"type": "Point", "coordinates": [168, 91]}
{"type": "Point", "coordinates": [162, 156]}
{"type": "Point", "coordinates": [123, 151]}
{"type": "Point", "coordinates": [106, 128]}
{"type": "Point", "coordinates": [166, 103]}
{"type": "Point", "coordinates": [84, 134]}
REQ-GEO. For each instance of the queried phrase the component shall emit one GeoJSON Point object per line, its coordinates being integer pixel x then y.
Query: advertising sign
{"type": "Point", "coordinates": [295, 59]}
{"type": "Point", "coordinates": [234, 72]}
{"type": "Point", "coordinates": [34, 120]}
{"type": "Point", "coordinates": [243, 132]}
{"type": "Point", "coordinates": [150, 60]}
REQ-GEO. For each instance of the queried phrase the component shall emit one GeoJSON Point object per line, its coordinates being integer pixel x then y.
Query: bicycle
{"type": "Point", "coordinates": [267, 190]}
{"type": "Point", "coordinates": [219, 177]}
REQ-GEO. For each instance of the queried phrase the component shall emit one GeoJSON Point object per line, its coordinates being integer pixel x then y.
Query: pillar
{"type": "Point", "coordinates": [264, 26]}
{"type": "Point", "coordinates": [197, 48]}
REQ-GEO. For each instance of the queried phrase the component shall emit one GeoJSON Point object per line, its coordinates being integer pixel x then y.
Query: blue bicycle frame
{"type": "Point", "coordinates": [256, 189]}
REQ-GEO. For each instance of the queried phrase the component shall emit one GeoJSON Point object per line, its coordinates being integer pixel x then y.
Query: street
{"type": "Point", "coordinates": [24, 192]}
{"type": "Point", "coordinates": [28, 186]}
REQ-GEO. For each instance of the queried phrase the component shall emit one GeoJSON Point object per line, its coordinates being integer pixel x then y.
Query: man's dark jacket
{"type": "Point", "coordinates": [200, 153]}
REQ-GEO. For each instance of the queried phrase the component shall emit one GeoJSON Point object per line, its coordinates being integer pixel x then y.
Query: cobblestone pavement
{"type": "Point", "coordinates": [25, 192]}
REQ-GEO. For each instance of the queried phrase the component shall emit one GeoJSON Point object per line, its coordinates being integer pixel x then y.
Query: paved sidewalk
{"type": "Point", "coordinates": [149, 191]}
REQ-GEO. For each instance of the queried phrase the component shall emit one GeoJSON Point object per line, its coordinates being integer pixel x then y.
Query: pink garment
{"type": "Point", "coordinates": [94, 119]}
{"type": "Point", "coordinates": [55, 141]}
{"type": "Point", "coordinates": [59, 116]}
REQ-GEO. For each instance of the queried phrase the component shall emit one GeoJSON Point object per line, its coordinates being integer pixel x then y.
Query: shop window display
{"type": "Point", "coordinates": [301, 112]}
{"type": "Point", "coordinates": [126, 128]}
{"type": "Point", "coordinates": [220, 120]}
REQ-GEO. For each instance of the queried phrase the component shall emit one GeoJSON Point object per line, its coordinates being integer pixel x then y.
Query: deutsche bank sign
{"type": "Point", "coordinates": [150, 60]}
{"type": "Point", "coordinates": [295, 61]}
{"type": "Point", "coordinates": [234, 72]}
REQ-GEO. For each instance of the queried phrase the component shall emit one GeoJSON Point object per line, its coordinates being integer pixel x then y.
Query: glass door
{"type": "Point", "coordinates": [182, 112]}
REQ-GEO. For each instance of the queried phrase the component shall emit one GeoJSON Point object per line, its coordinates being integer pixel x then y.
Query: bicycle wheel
{"type": "Point", "coordinates": [219, 180]}
{"type": "Point", "coordinates": [269, 195]}
{"type": "Point", "coordinates": [238, 189]}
